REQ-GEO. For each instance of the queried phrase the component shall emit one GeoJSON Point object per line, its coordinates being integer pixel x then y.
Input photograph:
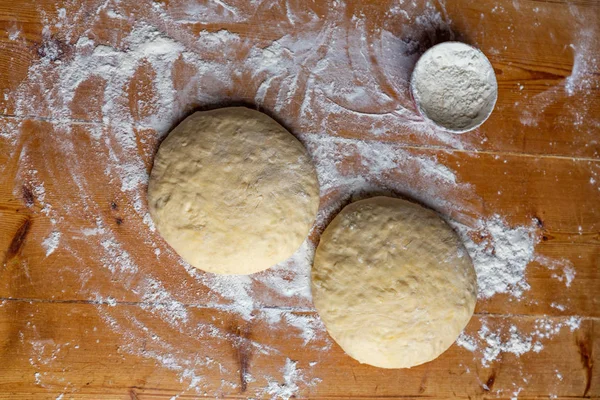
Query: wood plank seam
{"type": "Point", "coordinates": [279, 308]}
{"type": "Point", "coordinates": [341, 138]}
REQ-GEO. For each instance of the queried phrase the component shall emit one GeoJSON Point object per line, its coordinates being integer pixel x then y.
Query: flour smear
{"type": "Point", "coordinates": [120, 94]}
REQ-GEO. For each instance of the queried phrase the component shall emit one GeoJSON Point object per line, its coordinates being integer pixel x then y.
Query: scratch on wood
{"type": "Point", "coordinates": [422, 385]}
{"type": "Point", "coordinates": [585, 352]}
{"type": "Point", "coordinates": [18, 240]}
{"type": "Point", "coordinates": [544, 75]}
{"type": "Point", "coordinates": [489, 384]}
{"type": "Point", "coordinates": [132, 394]}
{"type": "Point", "coordinates": [243, 353]}
{"type": "Point", "coordinates": [27, 196]}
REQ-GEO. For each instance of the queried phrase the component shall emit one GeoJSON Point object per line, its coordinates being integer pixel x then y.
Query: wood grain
{"type": "Point", "coordinates": [532, 74]}
{"type": "Point", "coordinates": [80, 321]}
{"type": "Point", "coordinates": [455, 374]}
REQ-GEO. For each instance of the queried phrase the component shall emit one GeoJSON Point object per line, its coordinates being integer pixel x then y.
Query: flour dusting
{"type": "Point", "coordinates": [51, 243]}
{"type": "Point", "coordinates": [585, 61]}
{"type": "Point", "coordinates": [118, 95]}
{"type": "Point", "coordinates": [292, 376]}
{"type": "Point", "coordinates": [155, 297]}
{"type": "Point", "coordinates": [500, 254]}
{"type": "Point", "coordinates": [491, 343]}
{"type": "Point", "coordinates": [568, 270]}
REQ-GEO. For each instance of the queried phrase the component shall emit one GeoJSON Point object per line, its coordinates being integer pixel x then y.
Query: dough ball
{"type": "Point", "coordinates": [232, 191]}
{"type": "Point", "coordinates": [393, 283]}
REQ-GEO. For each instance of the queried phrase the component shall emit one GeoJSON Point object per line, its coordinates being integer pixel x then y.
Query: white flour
{"type": "Point", "coordinates": [292, 376]}
{"type": "Point", "coordinates": [51, 243]}
{"type": "Point", "coordinates": [491, 343]}
{"type": "Point", "coordinates": [324, 74]}
{"type": "Point", "coordinates": [585, 61]}
{"type": "Point", "coordinates": [500, 255]}
{"type": "Point", "coordinates": [455, 86]}
{"type": "Point", "coordinates": [568, 270]}
{"type": "Point", "coordinates": [156, 298]}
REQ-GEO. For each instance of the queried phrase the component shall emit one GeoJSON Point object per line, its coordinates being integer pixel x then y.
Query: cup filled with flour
{"type": "Point", "coordinates": [454, 86]}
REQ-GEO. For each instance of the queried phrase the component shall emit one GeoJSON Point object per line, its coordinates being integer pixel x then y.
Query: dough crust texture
{"type": "Point", "coordinates": [232, 191]}
{"type": "Point", "coordinates": [393, 283]}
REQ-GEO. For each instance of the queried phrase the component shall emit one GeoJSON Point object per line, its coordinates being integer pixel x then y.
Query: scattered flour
{"type": "Point", "coordinates": [494, 345]}
{"type": "Point", "coordinates": [467, 342]}
{"type": "Point", "coordinates": [236, 289]}
{"type": "Point", "coordinates": [292, 376]}
{"type": "Point", "coordinates": [117, 259]}
{"type": "Point", "coordinates": [515, 394]}
{"type": "Point", "coordinates": [309, 325]}
{"type": "Point", "coordinates": [568, 270]}
{"type": "Point", "coordinates": [568, 276]}
{"type": "Point", "coordinates": [13, 33]}
{"type": "Point", "coordinates": [306, 74]}
{"type": "Point", "coordinates": [585, 62]}
{"type": "Point", "coordinates": [491, 343]}
{"type": "Point", "coordinates": [500, 254]}
{"type": "Point", "coordinates": [156, 298]}
{"type": "Point", "coordinates": [51, 243]}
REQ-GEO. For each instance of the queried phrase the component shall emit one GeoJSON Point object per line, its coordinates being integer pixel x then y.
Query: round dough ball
{"type": "Point", "coordinates": [393, 283]}
{"type": "Point", "coordinates": [232, 191]}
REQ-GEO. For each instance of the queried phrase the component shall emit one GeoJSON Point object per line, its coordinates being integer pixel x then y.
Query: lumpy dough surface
{"type": "Point", "coordinates": [392, 283]}
{"type": "Point", "coordinates": [232, 191]}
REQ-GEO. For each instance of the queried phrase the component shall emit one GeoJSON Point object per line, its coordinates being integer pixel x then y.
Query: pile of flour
{"type": "Point", "coordinates": [454, 85]}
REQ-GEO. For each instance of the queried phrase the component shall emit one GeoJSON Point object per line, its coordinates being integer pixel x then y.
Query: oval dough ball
{"type": "Point", "coordinates": [232, 191]}
{"type": "Point", "coordinates": [393, 283]}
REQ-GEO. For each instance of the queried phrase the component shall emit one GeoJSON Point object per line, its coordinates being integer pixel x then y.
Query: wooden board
{"type": "Point", "coordinates": [80, 323]}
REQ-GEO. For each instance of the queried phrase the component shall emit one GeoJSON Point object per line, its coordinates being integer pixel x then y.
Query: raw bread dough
{"type": "Point", "coordinates": [232, 191]}
{"type": "Point", "coordinates": [393, 283]}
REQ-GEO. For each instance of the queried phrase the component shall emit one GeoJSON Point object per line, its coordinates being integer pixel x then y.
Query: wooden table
{"type": "Point", "coordinates": [84, 320]}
